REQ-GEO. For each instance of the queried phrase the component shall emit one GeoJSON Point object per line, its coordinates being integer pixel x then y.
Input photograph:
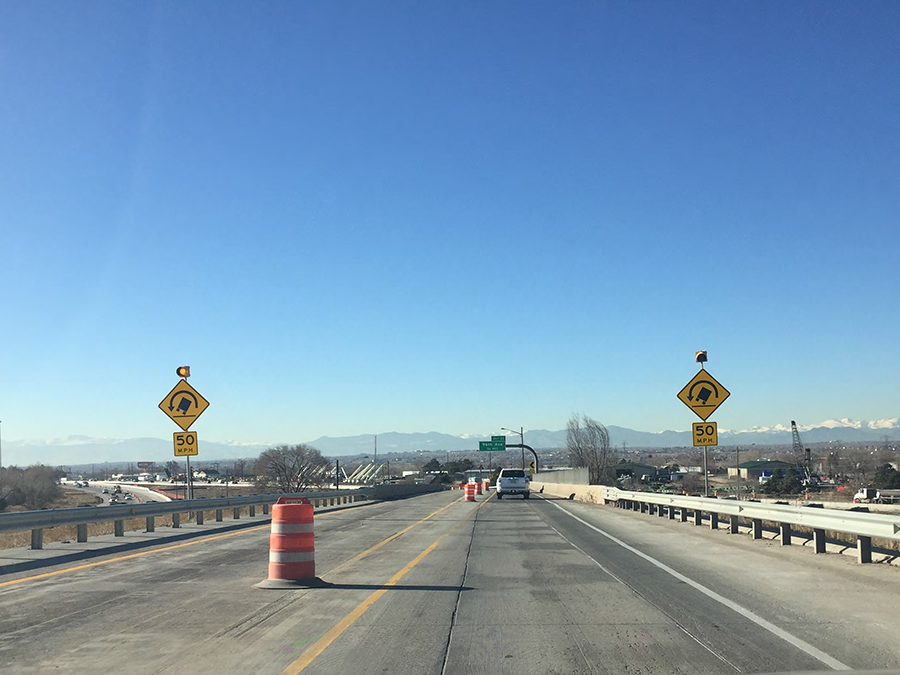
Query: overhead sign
{"type": "Point", "coordinates": [493, 445]}
{"type": "Point", "coordinates": [183, 405]}
{"type": "Point", "coordinates": [144, 465]}
{"type": "Point", "coordinates": [185, 443]}
{"type": "Point", "coordinates": [705, 433]}
{"type": "Point", "coordinates": [703, 394]}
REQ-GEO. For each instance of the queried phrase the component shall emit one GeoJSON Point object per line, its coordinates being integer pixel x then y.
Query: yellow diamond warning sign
{"type": "Point", "coordinates": [703, 394]}
{"type": "Point", "coordinates": [183, 405]}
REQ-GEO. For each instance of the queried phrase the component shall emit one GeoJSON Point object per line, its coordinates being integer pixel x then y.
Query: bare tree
{"type": "Point", "coordinates": [588, 444]}
{"type": "Point", "coordinates": [289, 468]}
{"type": "Point", "coordinates": [34, 488]}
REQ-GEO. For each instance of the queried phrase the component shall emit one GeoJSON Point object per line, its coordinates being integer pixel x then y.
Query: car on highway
{"type": "Point", "coordinates": [128, 496]}
{"type": "Point", "coordinates": [513, 482]}
{"type": "Point", "coordinates": [105, 491]}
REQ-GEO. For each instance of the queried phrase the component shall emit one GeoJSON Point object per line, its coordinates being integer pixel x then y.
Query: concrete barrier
{"type": "Point", "coordinates": [400, 490]}
{"type": "Point", "coordinates": [590, 494]}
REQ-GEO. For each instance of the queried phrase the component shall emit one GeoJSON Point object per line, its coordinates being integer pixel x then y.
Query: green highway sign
{"type": "Point", "coordinates": [496, 444]}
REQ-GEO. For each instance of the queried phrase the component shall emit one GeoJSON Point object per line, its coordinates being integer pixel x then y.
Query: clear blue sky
{"type": "Point", "coordinates": [366, 217]}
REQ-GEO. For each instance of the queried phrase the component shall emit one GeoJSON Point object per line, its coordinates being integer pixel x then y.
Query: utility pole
{"type": "Point", "coordinates": [375, 475]}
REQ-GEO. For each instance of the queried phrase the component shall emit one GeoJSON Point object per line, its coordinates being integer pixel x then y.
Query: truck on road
{"type": "Point", "coordinates": [871, 495]}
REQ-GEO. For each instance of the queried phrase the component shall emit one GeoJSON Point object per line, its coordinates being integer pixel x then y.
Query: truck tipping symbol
{"type": "Point", "coordinates": [185, 403]}
{"type": "Point", "coordinates": [704, 393]}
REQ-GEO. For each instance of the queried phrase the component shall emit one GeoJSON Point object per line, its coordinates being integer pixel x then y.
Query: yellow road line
{"type": "Point", "coordinates": [377, 546]}
{"type": "Point", "coordinates": [325, 641]}
{"type": "Point", "coordinates": [45, 575]}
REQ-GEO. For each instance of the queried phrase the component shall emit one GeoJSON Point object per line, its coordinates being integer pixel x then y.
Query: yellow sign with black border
{"type": "Point", "coordinates": [705, 433]}
{"type": "Point", "coordinates": [703, 394]}
{"type": "Point", "coordinates": [185, 443]}
{"type": "Point", "coordinates": [183, 405]}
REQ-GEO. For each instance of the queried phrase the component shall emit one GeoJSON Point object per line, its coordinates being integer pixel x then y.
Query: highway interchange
{"type": "Point", "coordinates": [435, 584]}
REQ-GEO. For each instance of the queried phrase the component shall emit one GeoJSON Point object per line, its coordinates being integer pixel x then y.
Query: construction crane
{"type": "Point", "coordinates": [801, 455]}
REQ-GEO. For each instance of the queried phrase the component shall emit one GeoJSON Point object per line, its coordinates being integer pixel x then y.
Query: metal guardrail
{"type": "Point", "coordinates": [37, 521]}
{"type": "Point", "coordinates": [864, 526]}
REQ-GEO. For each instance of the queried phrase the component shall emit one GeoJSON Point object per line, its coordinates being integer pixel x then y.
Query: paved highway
{"type": "Point", "coordinates": [439, 585]}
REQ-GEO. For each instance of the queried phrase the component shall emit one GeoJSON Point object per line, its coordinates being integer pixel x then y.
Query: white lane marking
{"type": "Point", "coordinates": [802, 645]}
{"type": "Point", "coordinates": [646, 599]}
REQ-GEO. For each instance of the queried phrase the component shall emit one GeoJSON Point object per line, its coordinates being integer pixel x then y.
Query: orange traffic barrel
{"type": "Point", "coordinates": [470, 492]}
{"type": "Point", "coordinates": [478, 489]}
{"type": "Point", "coordinates": [292, 548]}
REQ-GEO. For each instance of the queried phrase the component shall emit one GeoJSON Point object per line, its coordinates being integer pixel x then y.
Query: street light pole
{"type": "Point", "coordinates": [521, 433]}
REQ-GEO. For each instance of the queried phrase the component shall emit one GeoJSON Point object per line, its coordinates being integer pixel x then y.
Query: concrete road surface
{"type": "Point", "coordinates": [436, 585]}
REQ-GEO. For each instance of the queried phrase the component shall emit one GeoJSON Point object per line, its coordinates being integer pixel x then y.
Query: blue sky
{"type": "Point", "coordinates": [364, 217]}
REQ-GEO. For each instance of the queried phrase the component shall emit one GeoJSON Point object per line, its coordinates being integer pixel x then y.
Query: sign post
{"type": "Point", "coordinates": [183, 405]}
{"type": "Point", "coordinates": [704, 394]}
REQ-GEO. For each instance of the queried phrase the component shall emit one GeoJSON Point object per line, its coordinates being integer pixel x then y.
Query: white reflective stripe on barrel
{"type": "Point", "coordinates": [291, 528]}
{"type": "Point", "coordinates": [283, 557]}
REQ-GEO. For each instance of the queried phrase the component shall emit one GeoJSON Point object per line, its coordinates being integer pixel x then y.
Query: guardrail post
{"type": "Point", "coordinates": [651, 509]}
{"type": "Point", "coordinates": [757, 528]}
{"type": "Point", "coordinates": [671, 512]}
{"type": "Point", "coordinates": [734, 526]}
{"type": "Point", "coordinates": [698, 517]}
{"type": "Point", "coordinates": [684, 514]}
{"type": "Point", "coordinates": [661, 510]}
{"type": "Point", "coordinates": [37, 539]}
{"type": "Point", "coordinates": [265, 509]}
{"type": "Point", "coordinates": [819, 540]}
{"type": "Point", "coordinates": [218, 515]}
{"type": "Point", "coordinates": [713, 520]}
{"type": "Point", "coordinates": [252, 510]}
{"type": "Point", "coordinates": [119, 528]}
{"type": "Point", "coordinates": [199, 518]}
{"type": "Point", "coordinates": [644, 507]}
{"type": "Point", "coordinates": [864, 549]}
{"type": "Point", "coordinates": [785, 530]}
{"type": "Point", "coordinates": [176, 520]}
{"type": "Point", "coordinates": [151, 523]}
{"type": "Point", "coordinates": [236, 512]}
{"type": "Point", "coordinates": [81, 532]}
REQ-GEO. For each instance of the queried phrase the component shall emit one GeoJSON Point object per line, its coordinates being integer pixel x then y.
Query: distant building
{"type": "Point", "coordinates": [636, 471]}
{"type": "Point", "coordinates": [754, 469]}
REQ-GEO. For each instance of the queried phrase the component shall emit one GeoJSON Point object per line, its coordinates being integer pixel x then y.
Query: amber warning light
{"type": "Point", "coordinates": [183, 371]}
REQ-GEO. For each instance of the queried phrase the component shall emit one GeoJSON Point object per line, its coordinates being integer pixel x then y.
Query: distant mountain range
{"type": "Point", "coordinates": [85, 450]}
